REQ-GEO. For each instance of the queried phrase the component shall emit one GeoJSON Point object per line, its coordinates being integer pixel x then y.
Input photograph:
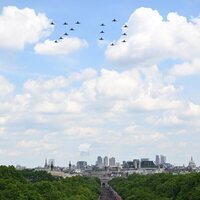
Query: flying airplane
{"type": "Point", "coordinates": [52, 23]}
{"type": "Point", "coordinates": [124, 34]}
{"type": "Point", "coordinates": [102, 25]}
{"type": "Point", "coordinates": [56, 41]}
{"type": "Point", "coordinates": [102, 32]}
{"type": "Point", "coordinates": [65, 23]}
{"type": "Point", "coordinates": [114, 20]}
{"type": "Point", "coordinates": [71, 29]}
{"type": "Point", "coordinates": [125, 26]}
{"type": "Point", "coordinates": [123, 40]}
{"type": "Point", "coordinates": [77, 22]}
{"type": "Point", "coordinates": [112, 44]}
{"type": "Point", "coordinates": [61, 38]}
{"type": "Point", "coordinates": [66, 34]}
{"type": "Point", "coordinates": [101, 38]}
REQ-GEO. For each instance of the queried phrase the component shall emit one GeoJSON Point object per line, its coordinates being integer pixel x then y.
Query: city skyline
{"type": "Point", "coordinates": [81, 96]}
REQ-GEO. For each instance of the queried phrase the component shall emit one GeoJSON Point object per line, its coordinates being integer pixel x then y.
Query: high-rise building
{"type": "Point", "coordinates": [112, 162]}
{"type": "Point", "coordinates": [81, 165]}
{"type": "Point", "coordinates": [45, 165]}
{"type": "Point", "coordinates": [163, 159]}
{"type": "Point", "coordinates": [157, 161]}
{"type": "Point", "coordinates": [105, 161]}
{"type": "Point", "coordinates": [99, 161]}
{"type": "Point", "coordinates": [136, 163]}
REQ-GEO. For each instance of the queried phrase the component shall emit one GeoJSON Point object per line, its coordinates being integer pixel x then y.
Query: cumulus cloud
{"type": "Point", "coordinates": [151, 39]}
{"type": "Point", "coordinates": [186, 69]}
{"type": "Point", "coordinates": [95, 108]}
{"type": "Point", "coordinates": [65, 46]}
{"type": "Point", "coordinates": [19, 27]}
{"type": "Point", "coordinates": [6, 88]}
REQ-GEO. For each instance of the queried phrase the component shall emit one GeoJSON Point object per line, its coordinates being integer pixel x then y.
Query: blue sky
{"type": "Point", "coordinates": [82, 98]}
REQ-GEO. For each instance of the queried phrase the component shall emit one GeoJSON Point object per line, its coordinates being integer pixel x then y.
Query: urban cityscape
{"type": "Point", "coordinates": [109, 167]}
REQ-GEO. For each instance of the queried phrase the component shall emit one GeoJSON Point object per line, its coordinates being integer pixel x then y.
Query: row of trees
{"type": "Point", "coordinates": [39, 185]}
{"type": "Point", "coordinates": [158, 187]}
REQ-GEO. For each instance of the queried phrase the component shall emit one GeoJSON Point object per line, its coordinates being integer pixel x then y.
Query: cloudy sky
{"type": "Point", "coordinates": [80, 97]}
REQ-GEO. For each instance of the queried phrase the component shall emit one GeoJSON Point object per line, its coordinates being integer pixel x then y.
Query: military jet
{"type": "Point", "coordinates": [71, 29]}
{"type": "Point", "coordinates": [114, 20]}
{"type": "Point", "coordinates": [102, 25]}
{"type": "Point", "coordinates": [56, 41]}
{"type": "Point", "coordinates": [65, 23]}
{"type": "Point", "coordinates": [52, 23]}
{"type": "Point", "coordinates": [78, 22]}
{"type": "Point", "coordinates": [125, 26]}
{"type": "Point", "coordinates": [112, 44]}
{"type": "Point", "coordinates": [124, 41]}
{"type": "Point", "coordinates": [102, 32]}
{"type": "Point", "coordinates": [101, 38]}
{"type": "Point", "coordinates": [66, 34]}
{"type": "Point", "coordinates": [124, 34]}
{"type": "Point", "coordinates": [60, 38]}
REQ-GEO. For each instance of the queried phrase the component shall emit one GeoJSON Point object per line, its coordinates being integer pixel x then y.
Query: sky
{"type": "Point", "coordinates": [81, 97]}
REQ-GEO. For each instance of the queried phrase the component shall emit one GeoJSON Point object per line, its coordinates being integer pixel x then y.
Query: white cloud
{"type": "Point", "coordinates": [96, 109]}
{"type": "Point", "coordinates": [82, 132]}
{"type": "Point", "coordinates": [65, 46]}
{"type": "Point", "coordinates": [151, 39]}
{"type": "Point", "coordinates": [19, 27]}
{"type": "Point", "coordinates": [186, 69]}
{"type": "Point", "coordinates": [6, 88]}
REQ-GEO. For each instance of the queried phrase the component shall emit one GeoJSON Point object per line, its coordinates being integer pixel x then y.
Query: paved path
{"type": "Point", "coordinates": [108, 194]}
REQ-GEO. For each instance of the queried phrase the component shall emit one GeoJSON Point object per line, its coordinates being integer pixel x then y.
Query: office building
{"type": "Point", "coordinates": [81, 165]}
{"type": "Point", "coordinates": [163, 159]}
{"type": "Point", "coordinates": [112, 162]}
{"type": "Point", "coordinates": [157, 161]}
{"type": "Point", "coordinates": [105, 161]}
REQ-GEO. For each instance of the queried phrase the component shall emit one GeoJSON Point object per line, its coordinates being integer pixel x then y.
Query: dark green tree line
{"type": "Point", "coordinates": [39, 185]}
{"type": "Point", "coordinates": [158, 187]}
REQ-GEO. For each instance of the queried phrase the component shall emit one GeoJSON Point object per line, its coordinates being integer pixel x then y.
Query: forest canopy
{"type": "Point", "coordinates": [39, 185]}
{"type": "Point", "coordinates": [158, 187]}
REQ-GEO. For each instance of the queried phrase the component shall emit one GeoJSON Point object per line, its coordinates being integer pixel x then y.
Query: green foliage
{"type": "Point", "coordinates": [39, 185]}
{"type": "Point", "coordinates": [158, 187]}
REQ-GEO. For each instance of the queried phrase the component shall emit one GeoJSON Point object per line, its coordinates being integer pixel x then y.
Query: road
{"type": "Point", "coordinates": [108, 194]}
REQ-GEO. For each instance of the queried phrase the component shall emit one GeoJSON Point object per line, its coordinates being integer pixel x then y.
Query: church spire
{"type": "Point", "coordinates": [45, 165]}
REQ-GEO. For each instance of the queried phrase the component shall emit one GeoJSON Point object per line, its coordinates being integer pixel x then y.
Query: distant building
{"type": "Point", "coordinates": [157, 161]}
{"type": "Point", "coordinates": [144, 159]}
{"type": "Point", "coordinates": [99, 161]}
{"type": "Point", "coordinates": [163, 159]}
{"type": "Point", "coordinates": [136, 163]}
{"type": "Point", "coordinates": [81, 165]}
{"type": "Point", "coordinates": [192, 164]}
{"type": "Point", "coordinates": [112, 162]}
{"type": "Point", "coordinates": [148, 165]}
{"type": "Point", "coordinates": [45, 164]}
{"type": "Point", "coordinates": [51, 164]}
{"type": "Point", "coordinates": [70, 166]}
{"type": "Point", "coordinates": [105, 161]}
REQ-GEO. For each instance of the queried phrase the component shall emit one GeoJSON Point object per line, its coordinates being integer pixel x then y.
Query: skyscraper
{"type": "Point", "coordinates": [81, 165]}
{"type": "Point", "coordinates": [105, 161]}
{"type": "Point", "coordinates": [99, 161]}
{"type": "Point", "coordinates": [163, 159]}
{"type": "Point", "coordinates": [112, 162]}
{"type": "Point", "coordinates": [157, 161]}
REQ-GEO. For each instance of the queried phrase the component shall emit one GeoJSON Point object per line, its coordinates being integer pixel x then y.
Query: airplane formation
{"type": "Point", "coordinates": [101, 32]}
